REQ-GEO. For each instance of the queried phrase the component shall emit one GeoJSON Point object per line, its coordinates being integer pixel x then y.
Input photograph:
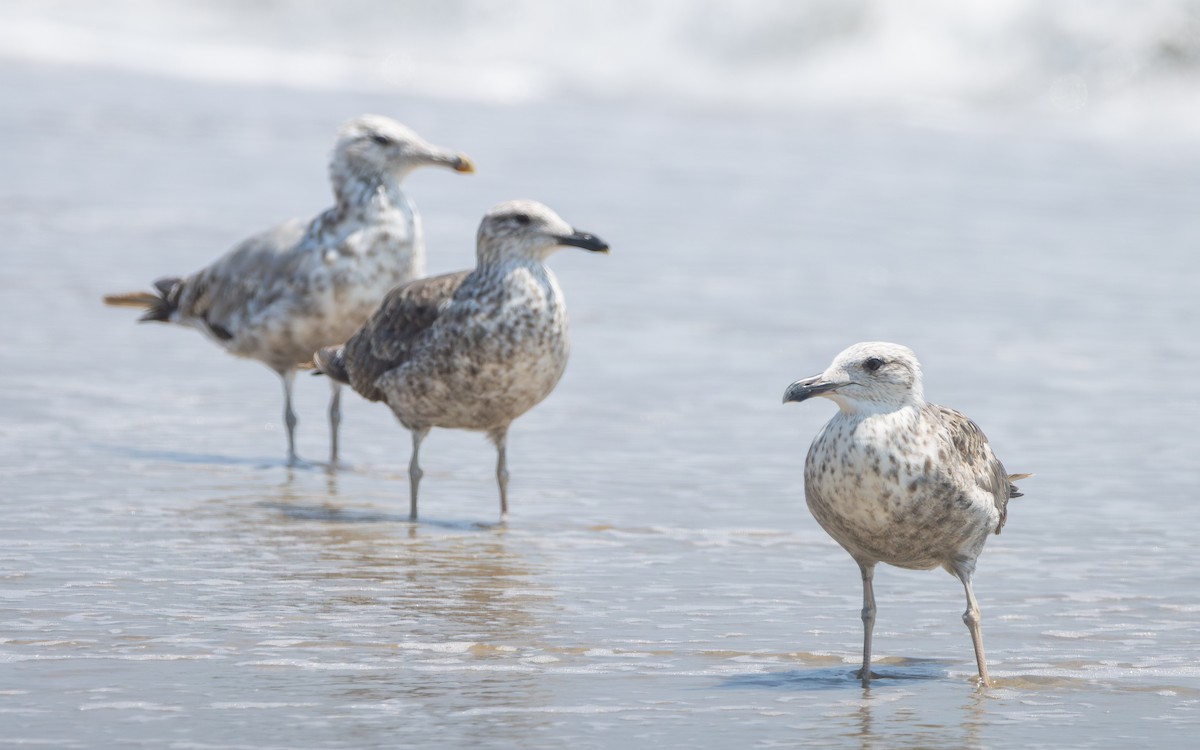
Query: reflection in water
{"type": "Point", "coordinates": [886, 720]}
{"type": "Point", "coordinates": [890, 713]}
{"type": "Point", "coordinates": [446, 601]}
{"type": "Point", "coordinates": [974, 717]}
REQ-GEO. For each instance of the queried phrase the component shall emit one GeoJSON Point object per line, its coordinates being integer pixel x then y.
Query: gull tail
{"type": "Point", "coordinates": [331, 361]}
{"type": "Point", "coordinates": [1012, 488]}
{"type": "Point", "coordinates": [158, 305]}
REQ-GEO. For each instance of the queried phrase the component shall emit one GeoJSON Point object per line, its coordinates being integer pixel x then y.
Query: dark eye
{"type": "Point", "coordinates": [382, 140]}
{"type": "Point", "coordinates": [521, 219]}
{"type": "Point", "coordinates": [873, 363]}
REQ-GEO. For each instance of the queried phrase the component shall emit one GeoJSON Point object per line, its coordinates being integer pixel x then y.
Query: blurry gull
{"type": "Point", "coordinates": [472, 350]}
{"type": "Point", "coordinates": [280, 295]}
{"type": "Point", "coordinates": [898, 480]}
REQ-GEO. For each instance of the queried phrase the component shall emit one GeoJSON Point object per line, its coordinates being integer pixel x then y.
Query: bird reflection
{"type": "Point", "coordinates": [902, 724]}
{"type": "Point", "coordinates": [437, 610]}
{"type": "Point", "coordinates": [452, 576]}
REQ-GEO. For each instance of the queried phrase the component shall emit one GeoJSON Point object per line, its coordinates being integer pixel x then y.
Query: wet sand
{"type": "Point", "coordinates": [168, 582]}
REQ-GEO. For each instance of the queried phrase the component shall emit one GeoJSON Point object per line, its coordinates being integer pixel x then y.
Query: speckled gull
{"type": "Point", "coordinates": [472, 350]}
{"type": "Point", "coordinates": [898, 480]}
{"type": "Point", "coordinates": [280, 295]}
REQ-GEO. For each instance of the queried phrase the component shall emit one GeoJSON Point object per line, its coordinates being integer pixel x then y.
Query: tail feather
{"type": "Point", "coordinates": [166, 285]}
{"type": "Point", "coordinates": [331, 361]}
{"type": "Point", "coordinates": [1012, 488]}
{"type": "Point", "coordinates": [131, 299]}
{"type": "Point", "coordinates": [158, 307]}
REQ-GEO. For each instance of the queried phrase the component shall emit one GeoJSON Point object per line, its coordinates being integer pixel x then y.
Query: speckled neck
{"type": "Point", "coordinates": [489, 270]}
{"type": "Point", "coordinates": [861, 408]}
{"type": "Point", "coordinates": [367, 200]}
{"type": "Point", "coordinates": [511, 253]}
{"type": "Point", "coordinates": [373, 191]}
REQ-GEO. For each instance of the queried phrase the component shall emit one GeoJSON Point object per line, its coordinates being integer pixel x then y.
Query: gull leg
{"type": "Point", "coordinates": [500, 438]}
{"type": "Point", "coordinates": [965, 572]}
{"type": "Point", "coordinates": [414, 471]}
{"type": "Point", "coordinates": [289, 416]}
{"type": "Point", "coordinates": [868, 618]}
{"type": "Point", "coordinates": [335, 420]}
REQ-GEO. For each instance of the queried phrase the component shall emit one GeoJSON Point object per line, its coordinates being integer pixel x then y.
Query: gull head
{"type": "Point", "coordinates": [377, 146]}
{"type": "Point", "coordinates": [873, 376]}
{"type": "Point", "coordinates": [529, 230]}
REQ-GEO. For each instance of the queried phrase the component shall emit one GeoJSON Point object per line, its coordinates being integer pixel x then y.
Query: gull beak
{"type": "Point", "coordinates": [582, 239]}
{"type": "Point", "coordinates": [457, 162]}
{"type": "Point", "coordinates": [462, 163]}
{"type": "Point", "coordinates": [802, 390]}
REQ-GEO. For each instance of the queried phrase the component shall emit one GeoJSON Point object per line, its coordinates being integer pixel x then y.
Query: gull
{"type": "Point", "coordinates": [471, 350]}
{"type": "Point", "coordinates": [279, 295]}
{"type": "Point", "coordinates": [898, 480]}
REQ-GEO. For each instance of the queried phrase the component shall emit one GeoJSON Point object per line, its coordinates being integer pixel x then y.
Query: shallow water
{"type": "Point", "coordinates": [167, 582]}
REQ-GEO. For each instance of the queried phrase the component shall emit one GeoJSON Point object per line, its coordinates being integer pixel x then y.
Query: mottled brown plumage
{"type": "Point", "coordinates": [898, 480]}
{"type": "Point", "coordinates": [971, 449]}
{"type": "Point", "coordinates": [471, 350]}
{"type": "Point", "coordinates": [281, 294]}
{"type": "Point", "coordinates": [387, 338]}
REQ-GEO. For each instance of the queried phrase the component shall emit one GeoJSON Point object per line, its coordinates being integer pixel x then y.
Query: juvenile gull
{"type": "Point", "coordinates": [898, 480]}
{"type": "Point", "coordinates": [472, 350]}
{"type": "Point", "coordinates": [280, 295]}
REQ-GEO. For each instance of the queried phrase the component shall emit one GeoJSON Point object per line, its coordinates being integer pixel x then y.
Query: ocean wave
{"type": "Point", "coordinates": [1104, 63]}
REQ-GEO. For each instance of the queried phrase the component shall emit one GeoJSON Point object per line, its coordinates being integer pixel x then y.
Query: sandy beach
{"type": "Point", "coordinates": [168, 582]}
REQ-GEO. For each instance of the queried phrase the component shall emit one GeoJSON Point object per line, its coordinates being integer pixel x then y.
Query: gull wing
{"type": "Point", "coordinates": [386, 340]}
{"type": "Point", "coordinates": [981, 468]}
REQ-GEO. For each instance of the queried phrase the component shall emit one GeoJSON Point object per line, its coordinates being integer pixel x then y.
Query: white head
{"type": "Point", "coordinates": [873, 376]}
{"type": "Point", "coordinates": [528, 230]}
{"type": "Point", "coordinates": [377, 148]}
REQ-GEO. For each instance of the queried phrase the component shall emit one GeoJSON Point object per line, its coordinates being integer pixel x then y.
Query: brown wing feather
{"type": "Point", "coordinates": [974, 453]}
{"type": "Point", "coordinates": [385, 341]}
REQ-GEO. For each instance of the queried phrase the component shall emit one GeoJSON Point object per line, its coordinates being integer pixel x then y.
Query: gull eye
{"type": "Point", "coordinates": [873, 363]}
{"type": "Point", "coordinates": [521, 219]}
{"type": "Point", "coordinates": [381, 139]}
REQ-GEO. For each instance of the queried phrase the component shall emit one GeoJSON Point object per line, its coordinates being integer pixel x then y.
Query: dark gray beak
{"type": "Point", "coordinates": [586, 241]}
{"type": "Point", "coordinates": [802, 390]}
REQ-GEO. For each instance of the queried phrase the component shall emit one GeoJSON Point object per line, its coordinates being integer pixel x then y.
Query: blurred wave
{"type": "Point", "coordinates": [1108, 64]}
